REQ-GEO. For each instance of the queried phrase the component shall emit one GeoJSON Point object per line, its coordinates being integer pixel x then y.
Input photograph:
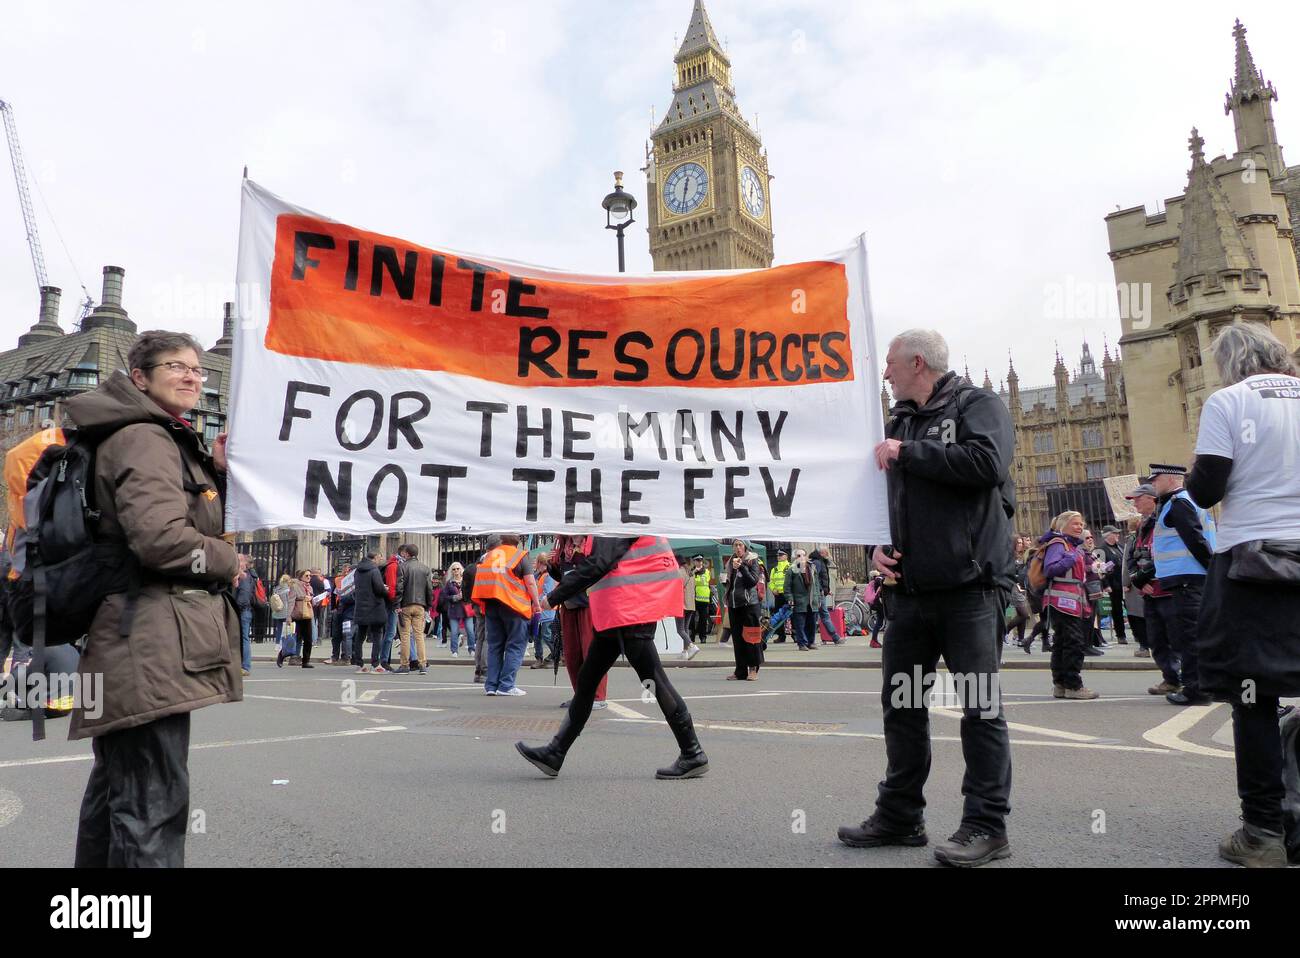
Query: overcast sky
{"type": "Point", "coordinates": [978, 146]}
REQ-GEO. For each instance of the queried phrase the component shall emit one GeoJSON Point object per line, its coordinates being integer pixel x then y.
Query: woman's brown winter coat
{"type": "Point", "coordinates": [157, 488]}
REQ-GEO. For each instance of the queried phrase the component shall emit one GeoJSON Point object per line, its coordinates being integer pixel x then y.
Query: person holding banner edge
{"type": "Point", "coordinates": [947, 459]}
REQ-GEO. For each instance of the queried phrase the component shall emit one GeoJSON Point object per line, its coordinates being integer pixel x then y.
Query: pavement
{"type": "Point", "coordinates": [855, 653]}
{"type": "Point", "coordinates": [329, 768]}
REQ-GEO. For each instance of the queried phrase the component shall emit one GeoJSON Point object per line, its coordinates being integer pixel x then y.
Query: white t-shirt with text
{"type": "Point", "coordinates": [1256, 424]}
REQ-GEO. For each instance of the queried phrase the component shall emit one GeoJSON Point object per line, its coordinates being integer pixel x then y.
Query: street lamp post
{"type": "Point", "coordinates": [618, 214]}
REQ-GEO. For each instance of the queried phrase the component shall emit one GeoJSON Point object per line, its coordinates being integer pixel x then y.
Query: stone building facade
{"type": "Point", "coordinates": [1069, 436]}
{"type": "Point", "coordinates": [1224, 250]}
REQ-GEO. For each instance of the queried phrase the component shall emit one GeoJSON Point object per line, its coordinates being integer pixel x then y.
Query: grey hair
{"type": "Point", "coordinates": [926, 343]}
{"type": "Point", "coordinates": [1243, 350]}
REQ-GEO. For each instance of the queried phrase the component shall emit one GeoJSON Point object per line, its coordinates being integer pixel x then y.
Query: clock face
{"type": "Point", "coordinates": [751, 190]}
{"type": "Point", "coordinates": [686, 188]}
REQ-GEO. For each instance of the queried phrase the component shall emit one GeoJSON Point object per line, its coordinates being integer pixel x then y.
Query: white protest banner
{"type": "Point", "coordinates": [379, 384]}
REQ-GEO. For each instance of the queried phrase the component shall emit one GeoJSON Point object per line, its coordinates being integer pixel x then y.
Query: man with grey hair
{"type": "Point", "coordinates": [949, 572]}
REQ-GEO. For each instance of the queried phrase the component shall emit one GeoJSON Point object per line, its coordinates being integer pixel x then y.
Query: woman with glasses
{"type": "Point", "coordinates": [171, 646]}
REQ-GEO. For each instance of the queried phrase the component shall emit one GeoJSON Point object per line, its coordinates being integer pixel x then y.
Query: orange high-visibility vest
{"type": "Point", "coordinates": [495, 578]}
{"type": "Point", "coordinates": [18, 464]}
{"type": "Point", "coordinates": [643, 587]}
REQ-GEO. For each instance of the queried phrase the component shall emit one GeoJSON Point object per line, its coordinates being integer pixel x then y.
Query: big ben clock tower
{"type": "Point", "coordinates": [706, 172]}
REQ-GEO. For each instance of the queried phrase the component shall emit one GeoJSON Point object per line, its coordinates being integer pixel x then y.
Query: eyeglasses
{"type": "Point", "coordinates": [180, 369]}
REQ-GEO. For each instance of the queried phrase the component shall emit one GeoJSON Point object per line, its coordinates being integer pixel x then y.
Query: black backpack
{"type": "Point", "coordinates": [70, 566]}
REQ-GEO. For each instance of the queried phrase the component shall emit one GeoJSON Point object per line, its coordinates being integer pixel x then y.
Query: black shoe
{"type": "Point", "coordinates": [1182, 698]}
{"type": "Point", "coordinates": [688, 765]}
{"type": "Point", "coordinates": [968, 848]}
{"type": "Point", "coordinates": [1093, 652]}
{"type": "Point", "coordinates": [871, 834]}
{"type": "Point", "coordinates": [308, 665]}
{"type": "Point", "coordinates": [692, 762]}
{"type": "Point", "coordinates": [402, 671]}
{"type": "Point", "coordinates": [279, 659]}
{"type": "Point", "coordinates": [547, 759]}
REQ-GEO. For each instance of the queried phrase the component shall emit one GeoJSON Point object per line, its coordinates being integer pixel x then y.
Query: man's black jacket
{"type": "Point", "coordinates": [1115, 554]}
{"type": "Point", "coordinates": [951, 495]}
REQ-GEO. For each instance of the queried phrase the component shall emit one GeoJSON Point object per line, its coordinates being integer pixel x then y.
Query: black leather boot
{"type": "Point", "coordinates": [550, 757]}
{"type": "Point", "coordinates": [692, 762]}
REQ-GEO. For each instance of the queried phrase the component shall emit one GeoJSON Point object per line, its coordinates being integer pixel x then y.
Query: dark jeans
{"type": "Point", "coordinates": [805, 622]}
{"type": "Point", "coordinates": [1258, 739]}
{"type": "Point", "coordinates": [1171, 629]}
{"type": "Point", "coordinates": [136, 810]}
{"type": "Point", "coordinates": [1117, 613]}
{"type": "Point", "coordinates": [965, 627]}
{"type": "Point", "coordinates": [748, 655]}
{"type": "Point", "coordinates": [336, 637]}
{"type": "Point", "coordinates": [1138, 623]}
{"type": "Point", "coordinates": [703, 623]}
{"type": "Point", "coordinates": [303, 630]}
{"type": "Point", "coordinates": [1067, 649]}
{"type": "Point", "coordinates": [637, 643]}
{"type": "Point", "coordinates": [362, 633]}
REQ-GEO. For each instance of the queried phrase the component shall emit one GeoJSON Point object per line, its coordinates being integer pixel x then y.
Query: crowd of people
{"type": "Point", "coordinates": [1214, 602]}
{"type": "Point", "coordinates": [395, 604]}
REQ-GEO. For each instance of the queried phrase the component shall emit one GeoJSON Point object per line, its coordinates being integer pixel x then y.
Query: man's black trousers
{"type": "Point", "coordinates": [1171, 627]}
{"type": "Point", "coordinates": [965, 627]}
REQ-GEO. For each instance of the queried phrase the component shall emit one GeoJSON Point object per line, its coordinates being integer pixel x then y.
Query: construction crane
{"type": "Point", "coordinates": [24, 195]}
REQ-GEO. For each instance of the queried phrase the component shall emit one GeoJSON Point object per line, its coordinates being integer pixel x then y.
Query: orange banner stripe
{"type": "Point", "coordinates": [346, 295]}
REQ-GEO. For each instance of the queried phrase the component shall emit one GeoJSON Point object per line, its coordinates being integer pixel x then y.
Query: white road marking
{"type": "Point", "coordinates": [19, 763]}
{"type": "Point", "coordinates": [1068, 703]}
{"type": "Point", "coordinates": [352, 709]}
{"type": "Point", "coordinates": [1036, 730]}
{"type": "Point", "coordinates": [721, 695]}
{"type": "Point", "coordinates": [722, 727]}
{"type": "Point", "coordinates": [1169, 733]}
{"type": "Point", "coordinates": [1224, 735]}
{"type": "Point", "coordinates": [369, 696]}
{"type": "Point", "coordinates": [372, 705]}
{"type": "Point", "coordinates": [429, 688]}
{"type": "Point", "coordinates": [11, 806]}
{"type": "Point", "coordinates": [626, 712]}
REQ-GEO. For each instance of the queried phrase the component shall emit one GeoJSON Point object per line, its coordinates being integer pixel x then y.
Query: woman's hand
{"type": "Point", "coordinates": [219, 451]}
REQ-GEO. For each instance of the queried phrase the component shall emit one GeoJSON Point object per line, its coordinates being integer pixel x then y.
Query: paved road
{"type": "Point", "coordinates": [421, 770]}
